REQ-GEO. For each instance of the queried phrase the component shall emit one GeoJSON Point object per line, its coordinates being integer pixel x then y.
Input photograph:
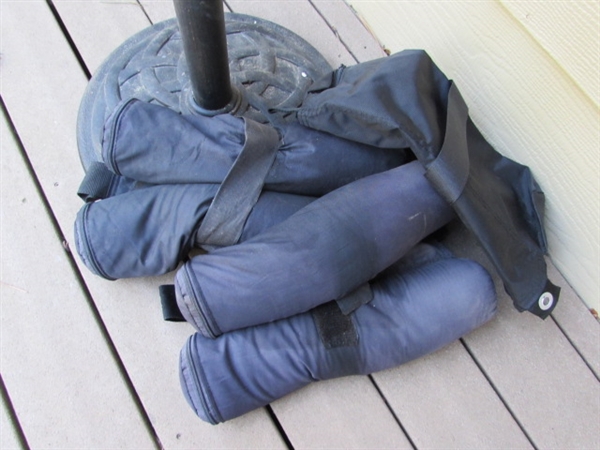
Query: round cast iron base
{"type": "Point", "coordinates": [271, 68]}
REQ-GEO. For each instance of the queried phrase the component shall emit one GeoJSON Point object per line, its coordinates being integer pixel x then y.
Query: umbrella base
{"type": "Point", "coordinates": [271, 69]}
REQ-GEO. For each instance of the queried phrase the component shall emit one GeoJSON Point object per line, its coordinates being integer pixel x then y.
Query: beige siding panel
{"type": "Point", "coordinates": [55, 363]}
{"type": "Point", "coordinates": [525, 105]}
{"type": "Point", "coordinates": [569, 30]}
{"type": "Point", "coordinates": [37, 55]}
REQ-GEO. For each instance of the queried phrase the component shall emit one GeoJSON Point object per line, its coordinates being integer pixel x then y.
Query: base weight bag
{"type": "Point", "coordinates": [156, 145]}
{"type": "Point", "coordinates": [149, 231]}
{"type": "Point", "coordinates": [203, 181]}
{"type": "Point", "coordinates": [323, 252]}
{"type": "Point", "coordinates": [415, 311]}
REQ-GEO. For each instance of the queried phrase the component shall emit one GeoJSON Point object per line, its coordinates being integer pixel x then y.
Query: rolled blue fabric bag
{"type": "Point", "coordinates": [172, 182]}
{"type": "Point", "coordinates": [150, 231]}
{"type": "Point", "coordinates": [323, 252]}
{"type": "Point", "coordinates": [156, 145]}
{"type": "Point", "coordinates": [418, 307]}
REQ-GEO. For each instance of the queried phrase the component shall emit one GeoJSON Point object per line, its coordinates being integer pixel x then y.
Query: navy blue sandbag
{"type": "Point", "coordinates": [321, 253]}
{"type": "Point", "coordinates": [415, 310]}
{"type": "Point", "coordinates": [156, 145]}
{"type": "Point", "coordinates": [150, 231]}
{"type": "Point", "coordinates": [406, 101]}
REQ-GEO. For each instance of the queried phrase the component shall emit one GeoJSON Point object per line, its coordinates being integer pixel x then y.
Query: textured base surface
{"type": "Point", "coordinates": [270, 66]}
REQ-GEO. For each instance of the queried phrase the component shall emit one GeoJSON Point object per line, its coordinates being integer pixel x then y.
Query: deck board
{"type": "Point", "coordinates": [56, 365]}
{"type": "Point", "coordinates": [577, 323]}
{"type": "Point", "coordinates": [443, 400]}
{"type": "Point", "coordinates": [112, 22]}
{"type": "Point", "coordinates": [9, 437]}
{"type": "Point", "coordinates": [344, 413]}
{"type": "Point", "coordinates": [353, 34]}
{"type": "Point", "coordinates": [542, 378]}
{"type": "Point", "coordinates": [552, 392]}
{"type": "Point", "coordinates": [159, 10]}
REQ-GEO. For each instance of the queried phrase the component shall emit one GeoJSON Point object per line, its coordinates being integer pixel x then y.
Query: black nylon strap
{"type": "Point", "coordinates": [97, 183]}
{"type": "Point", "coordinates": [449, 172]}
{"type": "Point", "coordinates": [335, 329]}
{"type": "Point", "coordinates": [239, 192]}
{"type": "Point", "coordinates": [355, 299]}
{"type": "Point", "coordinates": [168, 302]}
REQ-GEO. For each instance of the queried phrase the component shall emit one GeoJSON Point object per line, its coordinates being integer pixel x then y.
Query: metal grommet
{"type": "Point", "coordinates": [546, 301]}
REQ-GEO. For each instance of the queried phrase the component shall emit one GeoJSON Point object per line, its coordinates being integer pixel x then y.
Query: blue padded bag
{"type": "Point", "coordinates": [153, 144]}
{"type": "Point", "coordinates": [150, 231]}
{"type": "Point", "coordinates": [419, 305]}
{"type": "Point", "coordinates": [324, 252]}
{"type": "Point", "coordinates": [178, 182]}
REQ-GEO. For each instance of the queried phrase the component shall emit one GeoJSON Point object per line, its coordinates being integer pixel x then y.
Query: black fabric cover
{"type": "Point", "coordinates": [321, 253]}
{"type": "Point", "coordinates": [406, 101]}
{"type": "Point", "coordinates": [165, 197]}
{"type": "Point", "coordinates": [417, 308]}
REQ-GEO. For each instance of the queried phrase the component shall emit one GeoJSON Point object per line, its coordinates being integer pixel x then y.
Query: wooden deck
{"type": "Point", "coordinates": [87, 363]}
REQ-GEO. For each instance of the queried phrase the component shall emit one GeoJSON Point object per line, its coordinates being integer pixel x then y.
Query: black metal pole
{"type": "Point", "coordinates": [202, 28]}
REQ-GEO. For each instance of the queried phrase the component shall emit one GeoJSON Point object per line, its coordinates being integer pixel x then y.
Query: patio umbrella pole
{"type": "Point", "coordinates": [202, 28]}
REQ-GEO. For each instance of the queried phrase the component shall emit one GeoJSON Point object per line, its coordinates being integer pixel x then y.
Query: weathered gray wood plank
{"type": "Point", "coordinates": [443, 401]}
{"type": "Point", "coordinates": [9, 438]}
{"type": "Point", "coordinates": [577, 322]}
{"type": "Point", "coordinates": [547, 385]}
{"type": "Point", "coordinates": [541, 377]}
{"type": "Point", "coordinates": [56, 365]}
{"type": "Point", "coordinates": [301, 18]}
{"type": "Point", "coordinates": [348, 27]}
{"type": "Point", "coordinates": [113, 21]}
{"type": "Point", "coordinates": [159, 10]}
{"type": "Point", "coordinates": [36, 55]}
{"type": "Point", "coordinates": [343, 413]}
